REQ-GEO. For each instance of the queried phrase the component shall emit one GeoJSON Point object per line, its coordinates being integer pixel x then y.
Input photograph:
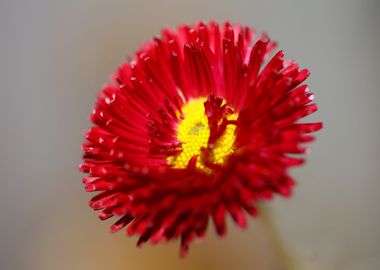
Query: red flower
{"type": "Point", "coordinates": [196, 126]}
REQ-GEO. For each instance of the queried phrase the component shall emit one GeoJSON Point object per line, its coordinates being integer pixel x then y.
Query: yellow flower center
{"type": "Point", "coordinates": [193, 132]}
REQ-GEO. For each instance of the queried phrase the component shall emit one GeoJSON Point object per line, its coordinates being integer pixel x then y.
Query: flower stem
{"type": "Point", "coordinates": [288, 260]}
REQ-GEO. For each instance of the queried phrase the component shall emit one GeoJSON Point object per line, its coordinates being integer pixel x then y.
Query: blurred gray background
{"type": "Point", "coordinates": [56, 55]}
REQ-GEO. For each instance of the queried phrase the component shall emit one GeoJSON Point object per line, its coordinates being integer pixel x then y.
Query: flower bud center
{"type": "Point", "coordinates": [193, 132]}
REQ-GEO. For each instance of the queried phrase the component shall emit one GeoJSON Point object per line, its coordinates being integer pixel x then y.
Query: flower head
{"type": "Point", "coordinates": [195, 126]}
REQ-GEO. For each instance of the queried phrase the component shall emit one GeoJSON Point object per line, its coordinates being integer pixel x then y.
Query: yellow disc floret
{"type": "Point", "coordinates": [193, 132]}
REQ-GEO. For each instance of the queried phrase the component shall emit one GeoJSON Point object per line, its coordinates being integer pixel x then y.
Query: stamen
{"type": "Point", "coordinates": [207, 134]}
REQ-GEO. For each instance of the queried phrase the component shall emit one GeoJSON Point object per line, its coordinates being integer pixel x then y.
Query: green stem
{"type": "Point", "coordinates": [288, 259]}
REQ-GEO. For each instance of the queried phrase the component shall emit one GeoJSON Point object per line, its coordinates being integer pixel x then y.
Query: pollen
{"type": "Point", "coordinates": [193, 132]}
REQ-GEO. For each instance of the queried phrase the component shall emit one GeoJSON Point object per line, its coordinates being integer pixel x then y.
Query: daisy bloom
{"type": "Point", "coordinates": [200, 123]}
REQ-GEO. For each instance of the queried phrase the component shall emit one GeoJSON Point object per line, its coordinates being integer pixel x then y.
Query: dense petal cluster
{"type": "Point", "coordinates": [200, 123]}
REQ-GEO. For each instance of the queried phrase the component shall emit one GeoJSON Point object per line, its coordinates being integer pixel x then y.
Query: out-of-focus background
{"type": "Point", "coordinates": [56, 55]}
